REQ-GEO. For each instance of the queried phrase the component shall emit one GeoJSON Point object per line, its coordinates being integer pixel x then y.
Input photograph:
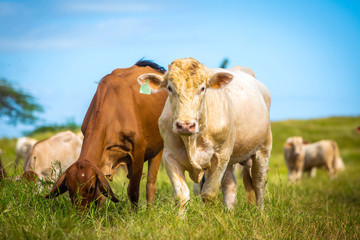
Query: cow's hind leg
{"type": "Point", "coordinates": [312, 172]}
{"type": "Point", "coordinates": [153, 169]}
{"type": "Point", "coordinates": [259, 170]}
{"type": "Point", "coordinates": [248, 184]}
{"type": "Point", "coordinates": [228, 186]}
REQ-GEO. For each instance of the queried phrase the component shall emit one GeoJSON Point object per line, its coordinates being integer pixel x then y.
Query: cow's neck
{"type": "Point", "coordinates": [199, 151]}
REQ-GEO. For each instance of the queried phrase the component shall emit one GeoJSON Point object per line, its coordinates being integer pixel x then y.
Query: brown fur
{"type": "Point", "coordinates": [357, 129]}
{"type": "Point", "coordinates": [120, 126]}
{"type": "Point", "coordinates": [2, 169]}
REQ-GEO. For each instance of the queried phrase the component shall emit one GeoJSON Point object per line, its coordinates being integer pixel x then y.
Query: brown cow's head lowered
{"type": "Point", "coordinates": [85, 183]}
{"type": "Point", "coordinates": [187, 81]}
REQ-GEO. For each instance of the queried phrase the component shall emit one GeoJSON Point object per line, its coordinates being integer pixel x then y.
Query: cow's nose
{"type": "Point", "coordinates": [186, 127]}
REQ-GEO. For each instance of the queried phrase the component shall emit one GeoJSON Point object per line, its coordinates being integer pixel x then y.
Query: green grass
{"type": "Point", "coordinates": [317, 208]}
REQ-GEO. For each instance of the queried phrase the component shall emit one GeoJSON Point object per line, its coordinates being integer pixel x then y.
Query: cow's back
{"type": "Point", "coordinates": [249, 107]}
{"type": "Point", "coordinates": [318, 154]}
{"type": "Point", "coordinates": [119, 113]}
{"type": "Point", "coordinates": [55, 153]}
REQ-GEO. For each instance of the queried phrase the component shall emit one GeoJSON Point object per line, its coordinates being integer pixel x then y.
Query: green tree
{"type": "Point", "coordinates": [16, 105]}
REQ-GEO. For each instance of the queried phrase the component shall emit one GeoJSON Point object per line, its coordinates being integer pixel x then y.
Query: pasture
{"type": "Point", "coordinates": [317, 208]}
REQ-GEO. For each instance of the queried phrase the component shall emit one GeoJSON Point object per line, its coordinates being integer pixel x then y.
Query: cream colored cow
{"type": "Point", "coordinates": [48, 158]}
{"type": "Point", "coordinates": [302, 157]}
{"type": "Point", "coordinates": [213, 119]}
{"type": "Point", "coordinates": [23, 148]}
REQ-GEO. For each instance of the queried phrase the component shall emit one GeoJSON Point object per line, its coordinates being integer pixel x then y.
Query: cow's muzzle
{"type": "Point", "coordinates": [189, 127]}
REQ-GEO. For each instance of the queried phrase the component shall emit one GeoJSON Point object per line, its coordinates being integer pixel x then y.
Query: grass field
{"type": "Point", "coordinates": [317, 208]}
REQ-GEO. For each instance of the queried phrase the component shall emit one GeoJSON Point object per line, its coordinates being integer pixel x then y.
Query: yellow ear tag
{"type": "Point", "coordinates": [145, 89]}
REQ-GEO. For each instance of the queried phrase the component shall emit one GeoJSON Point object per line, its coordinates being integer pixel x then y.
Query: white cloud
{"type": "Point", "coordinates": [76, 35]}
{"type": "Point", "coordinates": [37, 44]}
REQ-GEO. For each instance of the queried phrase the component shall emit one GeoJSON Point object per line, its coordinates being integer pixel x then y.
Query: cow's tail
{"type": "Point", "coordinates": [248, 184]}
{"type": "Point", "coordinates": [335, 156]}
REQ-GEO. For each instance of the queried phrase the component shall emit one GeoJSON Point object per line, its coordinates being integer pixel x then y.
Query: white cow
{"type": "Point", "coordinates": [213, 119]}
{"type": "Point", "coordinates": [301, 157]}
{"type": "Point", "coordinates": [50, 157]}
{"type": "Point", "coordinates": [23, 148]}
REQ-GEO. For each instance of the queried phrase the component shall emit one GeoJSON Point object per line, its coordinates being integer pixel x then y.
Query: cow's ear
{"type": "Point", "coordinates": [305, 142]}
{"type": "Point", "coordinates": [105, 188]}
{"type": "Point", "coordinates": [156, 82]}
{"type": "Point", "coordinates": [220, 80]}
{"type": "Point", "coordinates": [59, 187]}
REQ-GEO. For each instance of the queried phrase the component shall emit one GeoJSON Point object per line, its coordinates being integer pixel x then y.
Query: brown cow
{"type": "Point", "coordinates": [2, 169]}
{"type": "Point", "coordinates": [357, 129]}
{"type": "Point", "coordinates": [120, 126]}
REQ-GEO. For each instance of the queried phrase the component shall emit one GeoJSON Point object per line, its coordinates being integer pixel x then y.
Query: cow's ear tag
{"type": "Point", "coordinates": [145, 88]}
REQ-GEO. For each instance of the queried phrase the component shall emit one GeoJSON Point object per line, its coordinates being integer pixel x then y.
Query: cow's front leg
{"type": "Point", "coordinates": [228, 186]}
{"type": "Point", "coordinates": [214, 176]}
{"type": "Point", "coordinates": [312, 172]}
{"type": "Point", "coordinates": [176, 175]}
{"type": "Point", "coordinates": [135, 177]}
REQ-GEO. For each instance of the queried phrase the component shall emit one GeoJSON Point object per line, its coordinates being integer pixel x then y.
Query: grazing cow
{"type": "Point", "coordinates": [23, 148]}
{"type": "Point", "coordinates": [2, 169]}
{"type": "Point", "coordinates": [50, 157]}
{"type": "Point", "coordinates": [120, 126]}
{"type": "Point", "coordinates": [302, 157]}
{"type": "Point", "coordinates": [357, 129]}
{"type": "Point", "coordinates": [213, 119]}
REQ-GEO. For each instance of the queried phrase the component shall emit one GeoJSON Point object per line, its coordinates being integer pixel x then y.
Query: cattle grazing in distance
{"type": "Point", "coordinates": [213, 119]}
{"type": "Point", "coordinates": [2, 169]}
{"type": "Point", "coordinates": [50, 157]}
{"type": "Point", "coordinates": [357, 129]}
{"type": "Point", "coordinates": [120, 126]}
{"type": "Point", "coordinates": [23, 148]}
{"type": "Point", "coordinates": [302, 157]}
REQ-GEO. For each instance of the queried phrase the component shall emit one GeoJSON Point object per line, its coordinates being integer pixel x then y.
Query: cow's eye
{"type": "Point", "coordinates": [170, 89]}
{"type": "Point", "coordinates": [202, 89]}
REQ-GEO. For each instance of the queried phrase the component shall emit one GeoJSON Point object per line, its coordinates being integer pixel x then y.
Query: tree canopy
{"type": "Point", "coordinates": [17, 106]}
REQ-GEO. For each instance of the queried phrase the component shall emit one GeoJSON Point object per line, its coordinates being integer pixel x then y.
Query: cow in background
{"type": "Point", "coordinates": [23, 148]}
{"type": "Point", "coordinates": [2, 169]}
{"type": "Point", "coordinates": [213, 119]}
{"type": "Point", "coordinates": [50, 157]}
{"type": "Point", "coordinates": [120, 126]}
{"type": "Point", "coordinates": [357, 129]}
{"type": "Point", "coordinates": [302, 157]}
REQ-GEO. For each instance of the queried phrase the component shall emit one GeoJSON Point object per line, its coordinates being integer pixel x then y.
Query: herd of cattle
{"type": "Point", "coordinates": [205, 122]}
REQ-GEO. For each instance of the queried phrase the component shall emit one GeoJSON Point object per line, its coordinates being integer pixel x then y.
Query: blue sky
{"type": "Point", "coordinates": [306, 52]}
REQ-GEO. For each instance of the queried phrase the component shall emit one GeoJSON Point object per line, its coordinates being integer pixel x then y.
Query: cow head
{"type": "Point", "coordinates": [187, 81]}
{"type": "Point", "coordinates": [294, 157]}
{"type": "Point", "coordinates": [85, 183]}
